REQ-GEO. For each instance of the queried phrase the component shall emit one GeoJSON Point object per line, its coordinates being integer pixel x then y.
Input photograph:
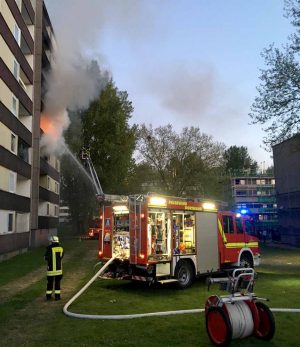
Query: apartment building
{"type": "Point", "coordinates": [287, 174]}
{"type": "Point", "coordinates": [29, 184]}
{"type": "Point", "coordinates": [256, 196]}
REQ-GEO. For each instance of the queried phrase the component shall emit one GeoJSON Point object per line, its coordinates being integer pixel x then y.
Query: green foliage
{"type": "Point", "coordinates": [142, 178]}
{"type": "Point", "coordinates": [183, 163]}
{"type": "Point", "coordinates": [239, 162]}
{"type": "Point", "coordinates": [109, 137]}
{"type": "Point", "coordinates": [104, 129]}
{"type": "Point", "coordinates": [277, 106]}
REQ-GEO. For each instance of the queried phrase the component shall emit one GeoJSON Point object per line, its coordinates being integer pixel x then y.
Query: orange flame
{"type": "Point", "coordinates": [48, 126]}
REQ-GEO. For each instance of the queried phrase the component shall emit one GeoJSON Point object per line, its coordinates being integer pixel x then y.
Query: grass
{"type": "Point", "coordinates": [27, 320]}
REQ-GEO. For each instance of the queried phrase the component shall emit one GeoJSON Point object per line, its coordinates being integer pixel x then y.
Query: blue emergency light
{"type": "Point", "coordinates": [244, 211]}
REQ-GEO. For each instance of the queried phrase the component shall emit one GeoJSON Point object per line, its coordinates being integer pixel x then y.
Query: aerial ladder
{"type": "Point", "coordinates": [86, 159]}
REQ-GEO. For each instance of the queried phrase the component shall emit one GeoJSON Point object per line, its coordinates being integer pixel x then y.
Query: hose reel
{"type": "Point", "coordinates": [240, 314]}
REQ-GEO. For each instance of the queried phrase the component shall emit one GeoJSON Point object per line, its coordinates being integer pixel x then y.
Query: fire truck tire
{"type": "Point", "coordinates": [218, 326]}
{"type": "Point", "coordinates": [184, 273]}
{"type": "Point", "coordinates": [266, 326]}
{"type": "Point", "coordinates": [246, 260]}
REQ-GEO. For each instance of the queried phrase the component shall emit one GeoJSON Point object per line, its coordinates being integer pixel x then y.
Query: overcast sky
{"type": "Point", "coordinates": [184, 62]}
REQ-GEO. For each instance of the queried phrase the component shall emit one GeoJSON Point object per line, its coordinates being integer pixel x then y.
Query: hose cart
{"type": "Point", "coordinates": [239, 314]}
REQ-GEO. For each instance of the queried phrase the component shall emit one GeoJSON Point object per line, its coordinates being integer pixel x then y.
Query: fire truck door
{"type": "Point", "coordinates": [233, 238]}
{"type": "Point", "coordinates": [207, 242]}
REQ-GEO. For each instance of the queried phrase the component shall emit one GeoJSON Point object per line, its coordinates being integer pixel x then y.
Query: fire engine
{"type": "Point", "coordinates": [169, 239]}
{"type": "Point", "coordinates": [155, 238]}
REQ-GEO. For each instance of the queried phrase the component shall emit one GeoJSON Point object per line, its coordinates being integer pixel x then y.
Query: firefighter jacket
{"type": "Point", "coordinates": [54, 254]}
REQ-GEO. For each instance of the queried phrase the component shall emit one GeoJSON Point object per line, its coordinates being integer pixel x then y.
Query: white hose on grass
{"type": "Point", "coordinates": [137, 315]}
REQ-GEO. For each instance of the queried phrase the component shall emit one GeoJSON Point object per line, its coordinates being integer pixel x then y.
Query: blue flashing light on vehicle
{"type": "Point", "coordinates": [244, 211]}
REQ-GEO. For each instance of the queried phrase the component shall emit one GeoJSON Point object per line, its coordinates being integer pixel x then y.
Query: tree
{"type": "Point", "coordinates": [181, 161]}
{"type": "Point", "coordinates": [106, 132]}
{"type": "Point", "coordinates": [238, 161]}
{"type": "Point", "coordinates": [277, 106]}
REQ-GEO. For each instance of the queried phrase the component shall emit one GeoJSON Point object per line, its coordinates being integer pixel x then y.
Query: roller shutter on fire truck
{"type": "Point", "coordinates": [207, 242]}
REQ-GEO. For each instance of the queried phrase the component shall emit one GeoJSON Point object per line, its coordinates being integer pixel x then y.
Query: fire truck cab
{"type": "Point", "coordinates": [169, 239]}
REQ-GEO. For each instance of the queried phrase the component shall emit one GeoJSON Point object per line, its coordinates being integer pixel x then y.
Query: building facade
{"type": "Point", "coordinates": [256, 196]}
{"type": "Point", "coordinates": [287, 173]}
{"type": "Point", "coordinates": [29, 184]}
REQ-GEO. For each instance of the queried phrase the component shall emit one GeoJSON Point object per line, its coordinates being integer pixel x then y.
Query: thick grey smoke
{"type": "Point", "coordinates": [75, 78]}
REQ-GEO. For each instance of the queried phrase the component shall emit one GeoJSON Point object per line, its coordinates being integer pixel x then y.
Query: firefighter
{"type": "Point", "coordinates": [53, 255]}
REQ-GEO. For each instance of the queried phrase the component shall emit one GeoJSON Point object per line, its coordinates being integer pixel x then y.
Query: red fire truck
{"type": "Point", "coordinates": [168, 239]}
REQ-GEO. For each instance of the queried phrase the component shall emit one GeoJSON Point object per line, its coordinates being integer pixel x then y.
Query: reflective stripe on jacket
{"type": "Point", "coordinates": [55, 261]}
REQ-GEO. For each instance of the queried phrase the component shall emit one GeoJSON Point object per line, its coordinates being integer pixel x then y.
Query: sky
{"type": "Point", "coordinates": [184, 62]}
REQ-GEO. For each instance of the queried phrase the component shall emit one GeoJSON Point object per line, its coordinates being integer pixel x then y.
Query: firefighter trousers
{"type": "Point", "coordinates": [56, 281]}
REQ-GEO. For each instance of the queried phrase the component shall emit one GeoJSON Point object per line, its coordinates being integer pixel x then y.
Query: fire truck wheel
{"type": "Point", "coordinates": [246, 260]}
{"type": "Point", "coordinates": [218, 326]}
{"type": "Point", "coordinates": [184, 273]}
{"type": "Point", "coordinates": [266, 326]}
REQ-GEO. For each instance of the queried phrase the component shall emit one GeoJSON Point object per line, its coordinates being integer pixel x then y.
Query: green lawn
{"type": "Point", "coordinates": [27, 320]}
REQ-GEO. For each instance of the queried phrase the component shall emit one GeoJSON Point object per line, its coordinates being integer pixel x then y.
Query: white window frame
{"type": "Point", "coordinates": [12, 224]}
{"type": "Point", "coordinates": [16, 70]}
{"type": "Point", "coordinates": [56, 188]}
{"type": "Point", "coordinates": [17, 34]}
{"type": "Point", "coordinates": [14, 106]}
{"type": "Point", "coordinates": [12, 182]}
{"type": "Point", "coordinates": [13, 143]}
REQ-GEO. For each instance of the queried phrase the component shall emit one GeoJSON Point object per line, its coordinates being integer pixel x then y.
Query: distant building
{"type": "Point", "coordinates": [256, 196]}
{"type": "Point", "coordinates": [29, 184]}
{"type": "Point", "coordinates": [287, 173]}
{"type": "Point", "coordinates": [64, 214]}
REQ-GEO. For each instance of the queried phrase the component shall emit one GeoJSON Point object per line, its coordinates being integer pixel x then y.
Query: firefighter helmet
{"type": "Point", "coordinates": [54, 238]}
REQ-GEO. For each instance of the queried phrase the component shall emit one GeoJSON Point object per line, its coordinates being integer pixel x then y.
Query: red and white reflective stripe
{"type": "Point", "coordinates": [139, 278]}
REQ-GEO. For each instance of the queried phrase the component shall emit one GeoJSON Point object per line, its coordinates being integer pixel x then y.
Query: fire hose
{"type": "Point", "coordinates": [242, 309]}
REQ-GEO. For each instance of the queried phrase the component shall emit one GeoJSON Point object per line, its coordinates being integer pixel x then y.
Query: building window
{"type": "Point", "coordinates": [10, 223]}
{"type": "Point", "coordinates": [17, 34]}
{"type": "Point", "coordinates": [56, 210]}
{"type": "Point", "coordinates": [56, 188]}
{"type": "Point", "coordinates": [13, 143]}
{"type": "Point", "coordinates": [241, 193]}
{"type": "Point", "coordinates": [16, 70]}
{"type": "Point", "coordinates": [23, 150]}
{"type": "Point", "coordinates": [15, 106]}
{"type": "Point", "coordinates": [48, 183]}
{"type": "Point", "coordinates": [48, 209]}
{"type": "Point", "coordinates": [12, 182]}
